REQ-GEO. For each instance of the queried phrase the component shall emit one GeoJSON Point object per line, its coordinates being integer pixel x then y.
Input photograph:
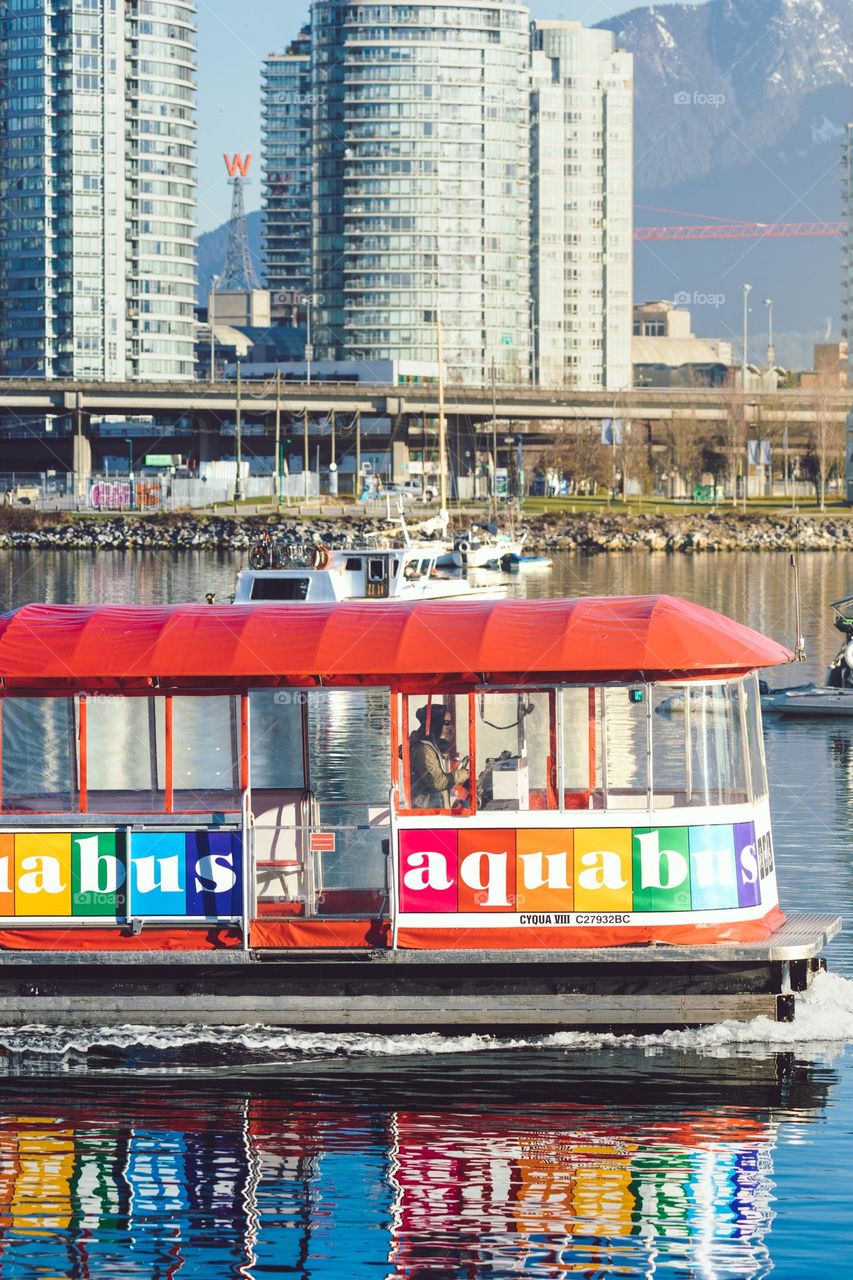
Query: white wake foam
{"type": "Point", "coordinates": [824, 1018]}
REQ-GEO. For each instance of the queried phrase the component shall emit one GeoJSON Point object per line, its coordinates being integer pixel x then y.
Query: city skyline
{"type": "Point", "coordinates": [232, 48]}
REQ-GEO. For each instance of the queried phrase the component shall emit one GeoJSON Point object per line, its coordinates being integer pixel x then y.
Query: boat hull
{"type": "Point", "coordinates": [810, 700]}
{"type": "Point", "coordinates": [608, 989]}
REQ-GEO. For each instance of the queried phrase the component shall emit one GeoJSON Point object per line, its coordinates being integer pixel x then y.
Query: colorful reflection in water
{"type": "Point", "coordinates": [384, 1172]}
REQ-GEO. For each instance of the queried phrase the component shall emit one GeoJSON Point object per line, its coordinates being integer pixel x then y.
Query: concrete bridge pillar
{"type": "Point", "coordinates": [206, 437]}
{"type": "Point", "coordinates": [81, 456]}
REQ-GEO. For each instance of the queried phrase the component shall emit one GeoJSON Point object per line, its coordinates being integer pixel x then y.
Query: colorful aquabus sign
{"type": "Point", "coordinates": [180, 874]}
{"type": "Point", "coordinates": [627, 872]}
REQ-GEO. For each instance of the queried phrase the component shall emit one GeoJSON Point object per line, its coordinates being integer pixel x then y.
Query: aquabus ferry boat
{"type": "Point", "coordinates": [390, 815]}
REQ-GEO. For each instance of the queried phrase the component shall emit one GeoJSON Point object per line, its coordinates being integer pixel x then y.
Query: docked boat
{"type": "Point", "coordinates": [832, 699]}
{"type": "Point", "coordinates": [482, 547]}
{"type": "Point", "coordinates": [514, 841]}
{"type": "Point", "coordinates": [328, 575]}
{"type": "Point", "coordinates": [515, 562]}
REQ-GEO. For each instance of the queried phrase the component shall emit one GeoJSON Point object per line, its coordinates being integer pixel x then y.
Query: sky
{"type": "Point", "coordinates": [233, 40]}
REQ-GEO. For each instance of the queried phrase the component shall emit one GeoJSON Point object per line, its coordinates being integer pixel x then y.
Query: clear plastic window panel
{"type": "Point", "coordinates": [626, 746]}
{"type": "Point", "coordinates": [671, 748]}
{"type": "Point", "coordinates": [513, 736]}
{"type": "Point", "coordinates": [206, 754]}
{"type": "Point", "coordinates": [755, 737]}
{"type": "Point", "coordinates": [437, 753]}
{"type": "Point", "coordinates": [583, 757]}
{"type": "Point", "coordinates": [40, 763]}
{"type": "Point", "coordinates": [126, 754]}
{"type": "Point", "coordinates": [717, 748]}
{"type": "Point", "coordinates": [275, 735]}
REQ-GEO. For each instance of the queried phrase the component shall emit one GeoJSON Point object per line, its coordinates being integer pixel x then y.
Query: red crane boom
{"type": "Point", "coordinates": [741, 231]}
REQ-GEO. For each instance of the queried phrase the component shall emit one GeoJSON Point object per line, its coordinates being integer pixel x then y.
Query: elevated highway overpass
{"type": "Point", "coordinates": [57, 420]}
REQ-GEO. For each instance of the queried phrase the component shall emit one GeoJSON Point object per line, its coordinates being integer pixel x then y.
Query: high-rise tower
{"type": "Point", "coordinates": [287, 102]}
{"type": "Point", "coordinates": [97, 189]}
{"type": "Point", "coordinates": [581, 238]}
{"type": "Point", "coordinates": [421, 183]}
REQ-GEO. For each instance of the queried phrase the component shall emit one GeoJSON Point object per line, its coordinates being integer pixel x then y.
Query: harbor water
{"type": "Point", "coordinates": [253, 1153]}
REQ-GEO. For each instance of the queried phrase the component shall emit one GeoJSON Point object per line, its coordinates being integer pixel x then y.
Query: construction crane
{"type": "Point", "coordinates": [710, 226]}
{"type": "Point", "coordinates": [741, 231]}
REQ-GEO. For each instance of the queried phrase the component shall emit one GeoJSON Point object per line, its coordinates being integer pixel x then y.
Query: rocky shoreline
{"type": "Point", "coordinates": [715, 531]}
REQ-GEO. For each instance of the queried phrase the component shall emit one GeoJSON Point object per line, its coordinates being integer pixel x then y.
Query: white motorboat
{"type": "Point", "coordinates": [834, 697]}
{"type": "Point", "coordinates": [809, 700]}
{"type": "Point", "coordinates": [323, 574]}
{"type": "Point", "coordinates": [482, 546]}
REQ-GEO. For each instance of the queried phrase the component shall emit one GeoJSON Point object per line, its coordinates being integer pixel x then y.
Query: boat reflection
{"type": "Point", "coordinates": [539, 1164]}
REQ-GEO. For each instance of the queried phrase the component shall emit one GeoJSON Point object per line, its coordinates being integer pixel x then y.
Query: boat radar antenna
{"type": "Point", "coordinates": [800, 645]}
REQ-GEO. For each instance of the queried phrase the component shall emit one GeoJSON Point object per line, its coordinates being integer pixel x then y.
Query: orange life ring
{"type": "Point", "coordinates": [321, 558]}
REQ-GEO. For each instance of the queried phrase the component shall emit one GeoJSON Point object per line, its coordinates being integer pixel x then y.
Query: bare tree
{"type": "Point", "coordinates": [684, 442]}
{"type": "Point", "coordinates": [633, 455]}
{"type": "Point", "coordinates": [731, 434]}
{"type": "Point", "coordinates": [826, 443]}
{"type": "Point", "coordinates": [576, 453]}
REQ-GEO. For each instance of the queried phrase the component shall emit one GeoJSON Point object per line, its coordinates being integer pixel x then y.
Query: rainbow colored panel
{"type": "Point", "coordinates": [84, 874]}
{"type": "Point", "coordinates": [588, 869]}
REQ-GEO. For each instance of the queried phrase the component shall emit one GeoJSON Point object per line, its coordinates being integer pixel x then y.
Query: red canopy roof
{"type": "Point", "coordinates": [189, 646]}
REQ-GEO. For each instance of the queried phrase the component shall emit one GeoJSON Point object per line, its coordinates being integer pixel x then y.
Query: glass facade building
{"type": "Point", "coordinates": [581, 207]}
{"type": "Point", "coordinates": [421, 183]}
{"type": "Point", "coordinates": [287, 102]}
{"type": "Point", "coordinates": [97, 189]}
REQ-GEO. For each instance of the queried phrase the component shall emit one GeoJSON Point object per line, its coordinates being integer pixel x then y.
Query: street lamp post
{"type": "Point", "coordinates": [309, 299]}
{"type": "Point", "coordinates": [238, 437]}
{"type": "Point", "coordinates": [129, 444]}
{"type": "Point", "coordinates": [211, 319]}
{"type": "Point", "coordinates": [746, 290]}
{"type": "Point", "coordinates": [771, 350]}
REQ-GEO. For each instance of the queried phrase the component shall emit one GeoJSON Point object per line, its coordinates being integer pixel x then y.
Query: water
{"type": "Point", "coordinates": [719, 1153]}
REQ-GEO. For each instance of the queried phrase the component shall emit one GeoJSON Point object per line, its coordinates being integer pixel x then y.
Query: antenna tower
{"type": "Point", "coordinates": [239, 274]}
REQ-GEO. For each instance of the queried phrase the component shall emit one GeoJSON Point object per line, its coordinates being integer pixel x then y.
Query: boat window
{"type": "Point", "coordinates": [699, 746]}
{"type": "Point", "coordinates": [353, 563]}
{"type": "Point", "coordinates": [582, 754]}
{"type": "Point", "coordinates": [275, 738]}
{"type": "Point", "coordinates": [126, 754]}
{"type": "Point", "coordinates": [514, 756]}
{"type": "Point", "coordinates": [424, 567]}
{"type": "Point", "coordinates": [39, 760]}
{"type": "Point", "coordinates": [280, 588]}
{"type": "Point", "coordinates": [673, 781]}
{"type": "Point", "coordinates": [625, 734]}
{"type": "Point", "coordinates": [436, 753]}
{"type": "Point", "coordinates": [755, 738]}
{"type": "Point", "coordinates": [206, 754]}
{"type": "Point", "coordinates": [717, 747]}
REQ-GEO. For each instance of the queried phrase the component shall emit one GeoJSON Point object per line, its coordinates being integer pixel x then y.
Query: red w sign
{"type": "Point", "coordinates": [238, 165]}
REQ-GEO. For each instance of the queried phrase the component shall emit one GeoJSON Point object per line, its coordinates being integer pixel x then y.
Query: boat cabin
{"type": "Point", "coordinates": [422, 776]}
{"type": "Point", "coordinates": [332, 575]}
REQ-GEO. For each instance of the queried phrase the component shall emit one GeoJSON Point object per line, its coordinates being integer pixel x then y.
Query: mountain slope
{"type": "Point", "coordinates": [740, 110]}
